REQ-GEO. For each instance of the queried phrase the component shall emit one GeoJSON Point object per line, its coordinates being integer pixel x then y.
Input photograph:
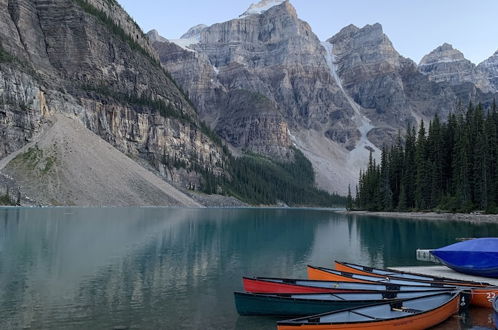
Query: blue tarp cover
{"type": "Point", "coordinates": [478, 256]}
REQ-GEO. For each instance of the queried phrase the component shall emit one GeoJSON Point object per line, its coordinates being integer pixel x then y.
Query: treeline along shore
{"type": "Point", "coordinates": [447, 167]}
{"type": "Point", "coordinates": [472, 217]}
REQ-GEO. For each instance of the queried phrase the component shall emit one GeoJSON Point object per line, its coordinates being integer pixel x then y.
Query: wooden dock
{"type": "Point", "coordinates": [443, 271]}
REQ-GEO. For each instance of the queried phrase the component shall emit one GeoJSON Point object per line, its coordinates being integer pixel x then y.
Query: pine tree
{"type": "Point", "coordinates": [422, 182]}
{"type": "Point", "coordinates": [386, 194]}
{"type": "Point", "coordinates": [349, 203]}
{"type": "Point", "coordinates": [461, 166]}
{"type": "Point", "coordinates": [435, 154]}
{"type": "Point", "coordinates": [410, 169]}
{"type": "Point", "coordinates": [480, 149]}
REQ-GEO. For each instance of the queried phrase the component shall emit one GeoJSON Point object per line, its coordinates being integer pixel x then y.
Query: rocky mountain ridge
{"type": "Point", "coordinates": [338, 100]}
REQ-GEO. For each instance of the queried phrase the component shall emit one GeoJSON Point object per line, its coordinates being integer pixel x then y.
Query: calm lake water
{"type": "Point", "coordinates": [154, 268]}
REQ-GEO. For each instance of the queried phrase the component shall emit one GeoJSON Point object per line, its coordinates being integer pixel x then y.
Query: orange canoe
{"type": "Point", "coordinates": [378, 272]}
{"type": "Point", "coordinates": [415, 314]}
{"type": "Point", "coordinates": [483, 294]}
{"type": "Point", "coordinates": [327, 274]}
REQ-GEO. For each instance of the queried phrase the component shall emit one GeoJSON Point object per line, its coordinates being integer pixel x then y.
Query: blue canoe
{"type": "Point", "coordinates": [474, 257]}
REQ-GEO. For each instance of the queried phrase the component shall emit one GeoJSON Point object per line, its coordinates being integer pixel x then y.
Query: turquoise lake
{"type": "Point", "coordinates": [159, 268]}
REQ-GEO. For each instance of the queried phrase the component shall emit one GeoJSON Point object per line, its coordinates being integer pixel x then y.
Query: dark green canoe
{"type": "Point", "coordinates": [310, 304]}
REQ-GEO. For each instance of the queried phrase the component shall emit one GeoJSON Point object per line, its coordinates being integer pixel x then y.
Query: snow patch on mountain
{"type": "Point", "coordinates": [194, 32]}
{"type": "Point", "coordinates": [358, 157]}
{"type": "Point", "coordinates": [186, 43]}
{"type": "Point", "coordinates": [261, 7]}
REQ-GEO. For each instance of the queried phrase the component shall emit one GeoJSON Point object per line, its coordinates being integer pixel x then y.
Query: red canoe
{"type": "Point", "coordinates": [281, 285]}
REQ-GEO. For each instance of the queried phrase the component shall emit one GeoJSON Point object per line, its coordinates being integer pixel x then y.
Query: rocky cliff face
{"type": "Point", "coordinates": [264, 83]}
{"type": "Point", "coordinates": [379, 79]}
{"type": "Point", "coordinates": [446, 64]}
{"type": "Point", "coordinates": [88, 59]}
{"type": "Point", "coordinates": [490, 69]}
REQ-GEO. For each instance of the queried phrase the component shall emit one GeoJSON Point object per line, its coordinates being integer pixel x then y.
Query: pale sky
{"type": "Point", "coordinates": [415, 27]}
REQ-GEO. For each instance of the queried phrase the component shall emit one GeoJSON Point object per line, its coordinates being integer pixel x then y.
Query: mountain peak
{"type": "Point", "coordinates": [443, 54]}
{"type": "Point", "coordinates": [345, 32]}
{"type": "Point", "coordinates": [154, 36]}
{"type": "Point", "coordinates": [262, 6]}
{"type": "Point", "coordinates": [375, 27]}
{"type": "Point", "coordinates": [446, 46]}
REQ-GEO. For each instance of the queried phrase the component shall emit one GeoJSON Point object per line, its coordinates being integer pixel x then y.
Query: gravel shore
{"type": "Point", "coordinates": [473, 217]}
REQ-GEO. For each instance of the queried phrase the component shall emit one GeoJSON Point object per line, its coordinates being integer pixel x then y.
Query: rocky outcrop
{"type": "Point", "coordinates": [251, 122]}
{"type": "Point", "coordinates": [154, 36]}
{"type": "Point", "coordinates": [88, 59]}
{"type": "Point", "coordinates": [446, 64]}
{"type": "Point", "coordinates": [489, 68]}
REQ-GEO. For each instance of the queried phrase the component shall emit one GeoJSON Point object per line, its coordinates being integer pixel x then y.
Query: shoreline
{"type": "Point", "coordinates": [461, 217]}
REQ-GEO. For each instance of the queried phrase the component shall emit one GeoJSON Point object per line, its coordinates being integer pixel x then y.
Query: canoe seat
{"type": "Point", "coordinates": [392, 287]}
{"type": "Point", "coordinates": [407, 310]}
{"type": "Point", "coordinates": [389, 294]}
{"type": "Point", "coordinates": [397, 306]}
{"type": "Point", "coordinates": [365, 315]}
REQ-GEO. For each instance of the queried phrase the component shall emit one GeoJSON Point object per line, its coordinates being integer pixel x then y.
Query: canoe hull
{"type": "Point", "coordinates": [327, 274]}
{"type": "Point", "coordinates": [483, 297]}
{"type": "Point", "coordinates": [420, 321]}
{"type": "Point", "coordinates": [257, 286]}
{"type": "Point", "coordinates": [377, 272]}
{"type": "Point", "coordinates": [320, 275]}
{"type": "Point", "coordinates": [250, 304]}
{"type": "Point", "coordinates": [269, 285]}
{"type": "Point", "coordinates": [480, 295]}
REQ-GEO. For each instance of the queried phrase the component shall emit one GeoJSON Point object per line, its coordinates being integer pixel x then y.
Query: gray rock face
{"type": "Point", "coordinates": [370, 68]}
{"type": "Point", "coordinates": [57, 56]}
{"type": "Point", "coordinates": [154, 36]}
{"type": "Point", "coordinates": [490, 69]}
{"type": "Point", "coordinates": [446, 64]}
{"type": "Point", "coordinates": [272, 56]}
{"type": "Point", "coordinates": [390, 86]}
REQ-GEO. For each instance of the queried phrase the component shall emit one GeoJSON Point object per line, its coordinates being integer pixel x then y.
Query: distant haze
{"type": "Point", "coordinates": [415, 27]}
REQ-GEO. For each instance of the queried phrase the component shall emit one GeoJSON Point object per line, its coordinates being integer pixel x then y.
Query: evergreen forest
{"type": "Point", "coordinates": [259, 180]}
{"type": "Point", "coordinates": [450, 166]}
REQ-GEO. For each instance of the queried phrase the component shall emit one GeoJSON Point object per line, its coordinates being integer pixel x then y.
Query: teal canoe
{"type": "Point", "coordinates": [310, 304]}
